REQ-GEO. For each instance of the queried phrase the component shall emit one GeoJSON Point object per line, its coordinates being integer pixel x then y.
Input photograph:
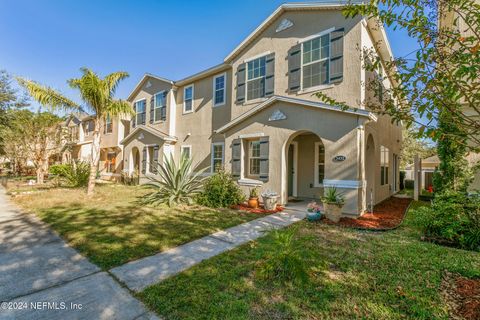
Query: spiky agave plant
{"type": "Point", "coordinates": [175, 183]}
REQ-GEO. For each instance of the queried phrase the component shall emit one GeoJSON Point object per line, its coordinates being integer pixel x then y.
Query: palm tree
{"type": "Point", "coordinates": [97, 95]}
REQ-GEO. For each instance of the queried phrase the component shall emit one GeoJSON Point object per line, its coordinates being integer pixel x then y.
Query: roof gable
{"type": "Point", "coordinates": [317, 5]}
{"type": "Point", "coordinates": [142, 81]}
{"type": "Point", "coordinates": [150, 130]}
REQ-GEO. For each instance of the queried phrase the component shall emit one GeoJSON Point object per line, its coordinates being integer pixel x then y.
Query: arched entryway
{"type": "Point", "coordinates": [370, 172]}
{"type": "Point", "coordinates": [305, 167]}
{"type": "Point", "coordinates": [134, 160]}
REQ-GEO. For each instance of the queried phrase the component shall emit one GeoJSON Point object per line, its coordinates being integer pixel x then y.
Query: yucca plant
{"type": "Point", "coordinates": [176, 183]}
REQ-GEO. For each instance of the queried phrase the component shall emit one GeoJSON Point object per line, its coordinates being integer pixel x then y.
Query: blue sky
{"type": "Point", "coordinates": [48, 41]}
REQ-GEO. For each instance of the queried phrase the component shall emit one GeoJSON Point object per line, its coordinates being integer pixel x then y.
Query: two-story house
{"type": "Point", "coordinates": [79, 143]}
{"type": "Point", "coordinates": [256, 115]}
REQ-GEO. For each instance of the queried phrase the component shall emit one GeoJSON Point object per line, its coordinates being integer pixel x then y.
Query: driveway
{"type": "Point", "coordinates": [41, 277]}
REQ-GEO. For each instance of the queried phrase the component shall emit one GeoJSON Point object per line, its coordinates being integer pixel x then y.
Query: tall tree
{"type": "Point", "coordinates": [34, 136]}
{"type": "Point", "coordinates": [98, 97]}
{"type": "Point", "coordinates": [9, 98]}
{"type": "Point", "coordinates": [440, 76]}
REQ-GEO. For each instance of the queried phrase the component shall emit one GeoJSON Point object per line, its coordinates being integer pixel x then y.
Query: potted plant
{"type": "Point", "coordinates": [270, 199]}
{"type": "Point", "coordinates": [253, 199]}
{"type": "Point", "coordinates": [333, 202]}
{"type": "Point", "coordinates": [314, 212]}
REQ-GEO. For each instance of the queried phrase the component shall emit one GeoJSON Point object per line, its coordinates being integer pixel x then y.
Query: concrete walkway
{"type": "Point", "coordinates": [139, 274]}
{"type": "Point", "coordinates": [41, 277]}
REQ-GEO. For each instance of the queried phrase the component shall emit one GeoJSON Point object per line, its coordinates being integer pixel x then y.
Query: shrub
{"type": "Point", "coordinates": [130, 179]}
{"type": "Point", "coordinates": [57, 169]}
{"type": "Point", "coordinates": [286, 262]}
{"type": "Point", "coordinates": [176, 183]}
{"type": "Point", "coordinates": [220, 191]}
{"type": "Point", "coordinates": [453, 218]}
{"type": "Point", "coordinates": [409, 184]}
{"type": "Point", "coordinates": [76, 173]}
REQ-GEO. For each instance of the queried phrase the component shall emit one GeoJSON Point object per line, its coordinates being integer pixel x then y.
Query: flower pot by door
{"type": "Point", "coordinates": [333, 211]}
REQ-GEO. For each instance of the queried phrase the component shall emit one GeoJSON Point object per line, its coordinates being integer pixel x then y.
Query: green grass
{"type": "Point", "coordinates": [390, 275]}
{"type": "Point", "coordinates": [112, 227]}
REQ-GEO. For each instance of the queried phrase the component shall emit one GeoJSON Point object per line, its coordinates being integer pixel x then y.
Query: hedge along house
{"type": "Point", "coordinates": [256, 115]}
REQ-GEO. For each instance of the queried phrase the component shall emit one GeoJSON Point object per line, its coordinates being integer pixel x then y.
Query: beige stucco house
{"type": "Point", "coordinates": [255, 114]}
{"type": "Point", "coordinates": [79, 143]}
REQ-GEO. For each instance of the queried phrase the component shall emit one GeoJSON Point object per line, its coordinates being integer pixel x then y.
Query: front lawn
{"type": "Point", "coordinates": [353, 275]}
{"type": "Point", "coordinates": [112, 227]}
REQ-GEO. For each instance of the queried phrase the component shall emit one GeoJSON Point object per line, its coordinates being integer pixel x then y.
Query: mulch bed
{"type": "Point", "coordinates": [259, 210]}
{"type": "Point", "coordinates": [386, 215]}
{"type": "Point", "coordinates": [462, 296]}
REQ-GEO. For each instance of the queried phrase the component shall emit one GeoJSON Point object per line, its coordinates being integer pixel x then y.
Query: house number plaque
{"type": "Point", "coordinates": [339, 158]}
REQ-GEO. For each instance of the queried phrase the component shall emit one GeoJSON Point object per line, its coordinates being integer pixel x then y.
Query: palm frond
{"type": "Point", "coordinates": [111, 81]}
{"type": "Point", "coordinates": [119, 107]}
{"type": "Point", "coordinates": [47, 96]}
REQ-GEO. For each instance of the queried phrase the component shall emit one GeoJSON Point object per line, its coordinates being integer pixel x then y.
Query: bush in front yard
{"type": "Point", "coordinates": [453, 218]}
{"type": "Point", "coordinates": [220, 191]}
{"type": "Point", "coordinates": [76, 173]}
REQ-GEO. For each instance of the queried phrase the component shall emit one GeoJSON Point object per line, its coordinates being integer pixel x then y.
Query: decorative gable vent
{"type": "Point", "coordinates": [148, 84]}
{"type": "Point", "coordinates": [283, 25]}
{"type": "Point", "coordinates": [277, 115]}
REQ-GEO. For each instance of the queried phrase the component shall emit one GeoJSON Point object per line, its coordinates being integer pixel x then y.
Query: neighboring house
{"type": "Point", "coordinates": [429, 165]}
{"type": "Point", "coordinates": [79, 143]}
{"type": "Point", "coordinates": [255, 115]}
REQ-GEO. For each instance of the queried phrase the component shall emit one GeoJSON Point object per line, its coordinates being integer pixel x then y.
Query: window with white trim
{"type": "Point", "coordinates": [160, 106]}
{"type": "Point", "coordinates": [217, 156]}
{"type": "Point", "coordinates": [188, 99]}
{"type": "Point", "coordinates": [219, 90]}
{"type": "Point", "coordinates": [254, 158]}
{"type": "Point", "coordinates": [140, 107]}
{"type": "Point", "coordinates": [319, 163]}
{"type": "Point", "coordinates": [186, 151]}
{"type": "Point", "coordinates": [315, 61]}
{"type": "Point", "coordinates": [108, 125]}
{"type": "Point", "coordinates": [384, 164]}
{"type": "Point", "coordinates": [256, 74]}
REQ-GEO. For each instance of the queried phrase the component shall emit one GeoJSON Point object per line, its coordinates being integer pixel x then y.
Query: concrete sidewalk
{"type": "Point", "coordinates": [41, 277]}
{"type": "Point", "coordinates": [139, 274]}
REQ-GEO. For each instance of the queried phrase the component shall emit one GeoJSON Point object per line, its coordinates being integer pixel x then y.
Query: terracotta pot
{"type": "Point", "coordinates": [253, 202]}
{"type": "Point", "coordinates": [333, 211]}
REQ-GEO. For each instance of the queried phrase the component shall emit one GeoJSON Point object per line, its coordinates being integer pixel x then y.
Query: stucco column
{"type": "Point", "coordinates": [362, 201]}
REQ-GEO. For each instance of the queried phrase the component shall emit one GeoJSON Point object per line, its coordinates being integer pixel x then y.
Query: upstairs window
{"type": "Point", "coordinates": [384, 164]}
{"type": "Point", "coordinates": [256, 78]}
{"type": "Point", "coordinates": [188, 99]}
{"type": "Point", "coordinates": [315, 61]}
{"type": "Point", "coordinates": [88, 127]}
{"type": "Point", "coordinates": [219, 90]}
{"type": "Point", "coordinates": [108, 125]}
{"type": "Point", "coordinates": [140, 109]}
{"type": "Point", "coordinates": [160, 106]}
